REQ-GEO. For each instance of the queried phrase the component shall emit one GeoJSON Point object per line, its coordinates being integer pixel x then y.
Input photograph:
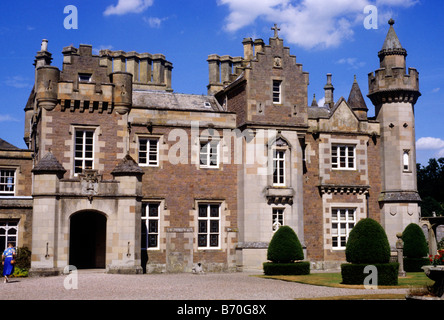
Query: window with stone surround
{"type": "Point", "coordinates": [209, 154]}
{"type": "Point", "coordinates": [7, 182]}
{"type": "Point", "coordinates": [209, 226]}
{"type": "Point", "coordinates": [83, 150]}
{"type": "Point", "coordinates": [343, 157]}
{"type": "Point", "coordinates": [278, 167]}
{"type": "Point", "coordinates": [278, 218]}
{"type": "Point", "coordinates": [406, 161]}
{"type": "Point", "coordinates": [150, 226]}
{"type": "Point", "coordinates": [342, 221]}
{"type": "Point", "coordinates": [277, 85]}
{"type": "Point", "coordinates": [8, 233]}
{"type": "Point", "coordinates": [149, 152]}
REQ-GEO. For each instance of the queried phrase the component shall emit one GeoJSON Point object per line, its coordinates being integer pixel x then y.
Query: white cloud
{"type": "Point", "coordinates": [351, 62]}
{"type": "Point", "coordinates": [154, 22]}
{"type": "Point", "coordinates": [308, 23]}
{"type": "Point", "coordinates": [18, 82]}
{"type": "Point", "coordinates": [436, 90]}
{"type": "Point", "coordinates": [128, 6]}
{"type": "Point", "coordinates": [102, 47]}
{"type": "Point", "coordinates": [428, 143]}
{"type": "Point", "coordinates": [7, 117]}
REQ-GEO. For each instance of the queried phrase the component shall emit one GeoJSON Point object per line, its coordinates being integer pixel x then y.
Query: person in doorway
{"type": "Point", "coordinates": [7, 257]}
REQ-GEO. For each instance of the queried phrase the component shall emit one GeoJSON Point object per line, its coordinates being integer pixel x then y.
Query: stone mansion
{"type": "Point", "coordinates": [124, 174]}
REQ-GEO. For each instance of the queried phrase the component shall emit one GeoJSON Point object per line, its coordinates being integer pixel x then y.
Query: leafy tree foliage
{"type": "Point", "coordinates": [431, 187]}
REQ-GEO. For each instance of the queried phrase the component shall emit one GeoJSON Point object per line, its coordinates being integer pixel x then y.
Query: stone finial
{"type": "Point", "coordinates": [276, 29]}
{"type": "Point", "coordinates": [391, 22]}
{"type": "Point", "coordinates": [44, 46]}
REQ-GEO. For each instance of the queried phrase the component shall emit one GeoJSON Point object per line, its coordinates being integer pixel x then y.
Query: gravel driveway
{"type": "Point", "coordinates": [96, 285]}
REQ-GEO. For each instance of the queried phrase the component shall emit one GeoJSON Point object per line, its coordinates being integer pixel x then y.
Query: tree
{"type": "Point", "coordinates": [430, 180]}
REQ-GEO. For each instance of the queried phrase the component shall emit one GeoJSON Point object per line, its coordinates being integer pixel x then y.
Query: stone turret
{"type": "Point", "coordinates": [394, 94]}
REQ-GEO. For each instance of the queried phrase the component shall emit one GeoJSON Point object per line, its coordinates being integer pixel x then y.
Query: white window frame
{"type": "Point", "coordinates": [336, 157]}
{"type": "Point", "coordinates": [279, 161]}
{"type": "Point", "coordinates": [208, 153]}
{"type": "Point", "coordinates": [207, 222]}
{"type": "Point", "coordinates": [149, 152]}
{"type": "Point", "coordinates": [343, 227]}
{"type": "Point", "coordinates": [83, 157]}
{"type": "Point", "coordinates": [4, 183]}
{"type": "Point", "coordinates": [278, 215]}
{"type": "Point", "coordinates": [146, 219]}
{"type": "Point", "coordinates": [277, 91]}
{"type": "Point", "coordinates": [7, 225]}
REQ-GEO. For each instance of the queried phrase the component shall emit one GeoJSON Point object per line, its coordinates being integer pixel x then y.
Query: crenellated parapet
{"type": "Point", "coordinates": [393, 84]}
{"type": "Point", "coordinates": [97, 83]}
{"type": "Point", "coordinates": [149, 71]}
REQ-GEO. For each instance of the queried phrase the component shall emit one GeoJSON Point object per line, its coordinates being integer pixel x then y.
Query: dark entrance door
{"type": "Point", "coordinates": [87, 243]}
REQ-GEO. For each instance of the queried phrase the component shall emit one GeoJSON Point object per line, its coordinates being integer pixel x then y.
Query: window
{"type": "Point", "coordinates": [84, 150]}
{"type": "Point", "coordinates": [342, 221]}
{"type": "Point", "coordinates": [8, 233]}
{"type": "Point", "coordinates": [149, 152]}
{"type": "Point", "coordinates": [278, 218]}
{"type": "Point", "coordinates": [7, 182]}
{"type": "Point", "coordinates": [208, 236]}
{"type": "Point", "coordinates": [406, 160]}
{"type": "Point", "coordinates": [150, 226]}
{"type": "Point", "coordinates": [85, 77]}
{"type": "Point", "coordinates": [343, 156]}
{"type": "Point", "coordinates": [278, 167]}
{"type": "Point", "coordinates": [209, 154]}
{"type": "Point", "coordinates": [277, 91]}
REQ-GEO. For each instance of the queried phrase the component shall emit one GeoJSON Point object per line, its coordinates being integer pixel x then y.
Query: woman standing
{"type": "Point", "coordinates": [8, 256]}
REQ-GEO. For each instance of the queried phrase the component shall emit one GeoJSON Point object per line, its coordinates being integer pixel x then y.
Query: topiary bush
{"type": "Point", "coordinates": [415, 248]}
{"type": "Point", "coordinates": [367, 244]}
{"type": "Point", "coordinates": [284, 249]}
{"type": "Point", "coordinates": [284, 246]}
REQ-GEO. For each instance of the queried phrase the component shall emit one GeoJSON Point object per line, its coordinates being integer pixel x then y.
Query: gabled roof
{"type": "Point", "coordinates": [4, 145]}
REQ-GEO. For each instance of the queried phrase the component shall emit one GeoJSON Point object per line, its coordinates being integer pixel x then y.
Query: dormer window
{"type": "Point", "coordinates": [85, 77]}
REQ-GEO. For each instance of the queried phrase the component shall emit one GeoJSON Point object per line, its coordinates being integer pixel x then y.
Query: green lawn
{"type": "Point", "coordinates": [412, 279]}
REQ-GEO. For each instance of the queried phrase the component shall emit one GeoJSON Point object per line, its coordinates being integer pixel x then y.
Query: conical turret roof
{"type": "Point", "coordinates": [392, 45]}
{"type": "Point", "coordinates": [356, 99]}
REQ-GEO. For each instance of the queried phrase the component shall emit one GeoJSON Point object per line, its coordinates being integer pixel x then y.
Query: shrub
{"type": "Point", "coordinates": [367, 243]}
{"type": "Point", "coordinates": [284, 246]}
{"type": "Point", "coordinates": [293, 268]}
{"type": "Point", "coordinates": [415, 243]}
{"type": "Point", "coordinates": [415, 264]}
{"type": "Point", "coordinates": [354, 273]}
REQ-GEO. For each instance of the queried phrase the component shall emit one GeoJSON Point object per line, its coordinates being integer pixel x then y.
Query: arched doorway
{"type": "Point", "coordinates": [87, 241]}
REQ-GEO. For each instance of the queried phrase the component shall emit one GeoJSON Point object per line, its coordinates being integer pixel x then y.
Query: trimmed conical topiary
{"type": "Point", "coordinates": [284, 246]}
{"type": "Point", "coordinates": [415, 243]}
{"type": "Point", "coordinates": [367, 243]}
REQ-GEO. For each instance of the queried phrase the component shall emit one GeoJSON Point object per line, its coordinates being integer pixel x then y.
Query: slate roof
{"type": "Point", "coordinates": [174, 101]}
{"type": "Point", "coordinates": [127, 166]}
{"type": "Point", "coordinates": [4, 145]}
{"type": "Point", "coordinates": [355, 99]}
{"type": "Point", "coordinates": [49, 164]}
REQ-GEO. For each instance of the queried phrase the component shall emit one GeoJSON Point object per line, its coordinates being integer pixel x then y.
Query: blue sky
{"type": "Point", "coordinates": [326, 36]}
